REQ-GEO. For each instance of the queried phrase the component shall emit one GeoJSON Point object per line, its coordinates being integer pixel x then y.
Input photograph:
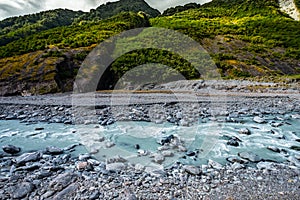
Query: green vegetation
{"type": "Point", "coordinates": [245, 38]}
{"type": "Point", "coordinates": [297, 2]}
{"type": "Point", "coordinates": [113, 8]}
{"type": "Point", "coordinates": [259, 27]}
{"type": "Point", "coordinates": [15, 28]}
{"type": "Point", "coordinates": [74, 36]}
{"type": "Point", "coordinates": [174, 10]}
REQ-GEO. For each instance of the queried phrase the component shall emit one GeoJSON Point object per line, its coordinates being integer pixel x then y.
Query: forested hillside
{"type": "Point", "coordinates": [41, 53]}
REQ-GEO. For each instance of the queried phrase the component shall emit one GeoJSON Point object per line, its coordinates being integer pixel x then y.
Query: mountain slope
{"type": "Point", "coordinates": [245, 38]}
{"type": "Point", "coordinates": [14, 28]}
{"type": "Point", "coordinates": [53, 68]}
{"type": "Point", "coordinates": [112, 8]}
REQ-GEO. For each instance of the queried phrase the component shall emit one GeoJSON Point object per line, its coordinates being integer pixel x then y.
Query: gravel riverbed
{"type": "Point", "coordinates": [56, 173]}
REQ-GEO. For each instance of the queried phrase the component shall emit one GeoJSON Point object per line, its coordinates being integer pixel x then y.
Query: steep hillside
{"type": "Point", "coordinates": [245, 38]}
{"type": "Point", "coordinates": [54, 67]}
{"type": "Point", "coordinates": [14, 28]}
{"type": "Point", "coordinates": [112, 8]}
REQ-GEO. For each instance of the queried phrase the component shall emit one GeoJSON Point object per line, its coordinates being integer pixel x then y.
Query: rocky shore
{"type": "Point", "coordinates": [53, 173]}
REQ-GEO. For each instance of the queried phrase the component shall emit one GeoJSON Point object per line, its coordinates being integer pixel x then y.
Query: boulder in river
{"type": "Point", "coordinates": [245, 131]}
{"type": "Point", "coordinates": [296, 148]}
{"type": "Point", "coordinates": [166, 140]}
{"type": "Point", "coordinates": [250, 156]}
{"type": "Point", "coordinates": [28, 157]}
{"type": "Point", "coordinates": [54, 150]}
{"type": "Point", "coordinates": [259, 120]}
{"type": "Point", "coordinates": [274, 149]}
{"type": "Point", "coordinates": [11, 149]}
{"type": "Point", "coordinates": [233, 142]}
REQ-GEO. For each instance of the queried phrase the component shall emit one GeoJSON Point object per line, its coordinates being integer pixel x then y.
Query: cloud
{"type": "Point", "coordinates": [10, 8]}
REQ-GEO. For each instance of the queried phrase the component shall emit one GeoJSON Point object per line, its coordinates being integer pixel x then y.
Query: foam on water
{"type": "Point", "coordinates": [125, 135]}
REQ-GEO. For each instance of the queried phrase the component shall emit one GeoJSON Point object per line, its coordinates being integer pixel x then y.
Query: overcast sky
{"type": "Point", "coordinates": [10, 8]}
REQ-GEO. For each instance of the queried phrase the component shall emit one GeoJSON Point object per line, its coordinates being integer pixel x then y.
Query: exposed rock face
{"type": "Point", "coordinates": [39, 72]}
{"type": "Point", "coordinates": [289, 7]}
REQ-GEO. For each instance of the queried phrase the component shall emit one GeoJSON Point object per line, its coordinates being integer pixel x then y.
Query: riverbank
{"type": "Point", "coordinates": [242, 117]}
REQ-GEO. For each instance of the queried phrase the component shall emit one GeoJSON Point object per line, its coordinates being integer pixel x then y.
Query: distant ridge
{"type": "Point", "coordinates": [110, 9]}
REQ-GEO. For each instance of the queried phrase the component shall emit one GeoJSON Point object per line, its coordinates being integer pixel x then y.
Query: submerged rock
{"type": "Point", "coordinates": [296, 148]}
{"type": "Point", "coordinates": [250, 156]}
{"type": "Point", "coordinates": [245, 131]}
{"type": "Point", "coordinates": [11, 149]}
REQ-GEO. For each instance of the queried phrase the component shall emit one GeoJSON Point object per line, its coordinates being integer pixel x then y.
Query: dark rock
{"type": "Point", "coordinates": [233, 142]}
{"type": "Point", "coordinates": [54, 150]}
{"type": "Point", "coordinates": [68, 122]}
{"type": "Point", "coordinates": [28, 157]}
{"type": "Point", "coordinates": [250, 156]}
{"type": "Point", "coordinates": [296, 148]}
{"type": "Point", "coordinates": [67, 193]}
{"type": "Point", "coordinates": [11, 149]}
{"type": "Point", "coordinates": [39, 129]}
{"type": "Point", "coordinates": [62, 181]}
{"type": "Point", "coordinates": [22, 190]}
{"type": "Point", "coordinates": [191, 153]}
{"type": "Point", "coordinates": [274, 149]}
{"type": "Point", "coordinates": [245, 131]}
{"type": "Point", "coordinates": [166, 140]}
{"type": "Point", "coordinates": [72, 146]}
{"type": "Point", "coordinates": [276, 124]}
